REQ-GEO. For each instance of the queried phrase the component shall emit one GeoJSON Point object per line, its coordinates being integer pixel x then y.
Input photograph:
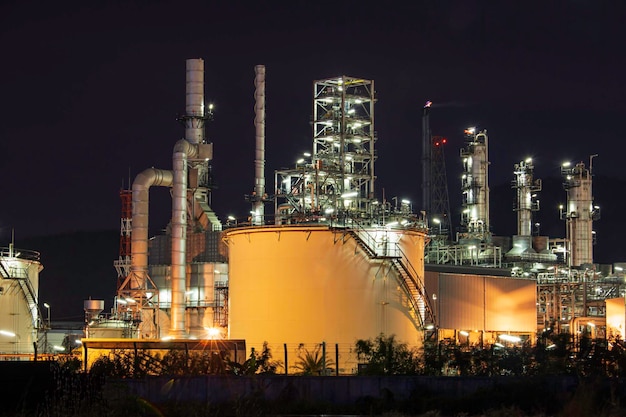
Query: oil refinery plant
{"type": "Point", "coordinates": [334, 262]}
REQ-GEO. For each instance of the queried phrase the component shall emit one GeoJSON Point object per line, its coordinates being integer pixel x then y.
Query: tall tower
{"type": "Point", "coordinates": [258, 198]}
{"type": "Point", "coordinates": [579, 213]}
{"type": "Point", "coordinates": [440, 200]}
{"type": "Point", "coordinates": [475, 185]}
{"type": "Point", "coordinates": [199, 181]}
{"type": "Point", "coordinates": [122, 264]}
{"type": "Point", "coordinates": [337, 178]}
{"type": "Point", "coordinates": [426, 158]}
{"type": "Point", "coordinates": [526, 202]}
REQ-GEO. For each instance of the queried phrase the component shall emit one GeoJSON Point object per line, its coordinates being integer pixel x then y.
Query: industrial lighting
{"type": "Point", "coordinates": [7, 333]}
{"type": "Point", "coordinates": [231, 218]}
{"type": "Point", "coordinates": [122, 301]}
{"type": "Point", "coordinates": [358, 101]}
{"type": "Point", "coordinates": [167, 338]}
{"type": "Point", "coordinates": [351, 111]}
{"type": "Point", "coordinates": [300, 161]}
{"type": "Point", "coordinates": [211, 106]}
{"type": "Point", "coordinates": [464, 333]}
{"type": "Point", "coordinates": [58, 348]}
{"type": "Point", "coordinates": [510, 338]}
{"type": "Point", "coordinates": [307, 154]}
{"type": "Point", "coordinates": [528, 160]}
{"type": "Point", "coordinates": [405, 201]}
{"type": "Point", "coordinates": [566, 164]}
{"type": "Point", "coordinates": [213, 332]}
{"type": "Point", "coordinates": [430, 327]}
{"type": "Point", "coordinates": [350, 194]}
{"type": "Point", "coordinates": [329, 210]}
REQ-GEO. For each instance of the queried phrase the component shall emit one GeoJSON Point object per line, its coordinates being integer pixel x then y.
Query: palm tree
{"type": "Point", "coordinates": [313, 363]}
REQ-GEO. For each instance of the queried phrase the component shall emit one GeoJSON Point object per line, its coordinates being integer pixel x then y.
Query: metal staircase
{"type": "Point", "coordinates": [408, 278]}
{"type": "Point", "coordinates": [20, 275]}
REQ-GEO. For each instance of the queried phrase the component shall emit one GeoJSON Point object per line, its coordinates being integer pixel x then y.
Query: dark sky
{"type": "Point", "coordinates": [90, 92]}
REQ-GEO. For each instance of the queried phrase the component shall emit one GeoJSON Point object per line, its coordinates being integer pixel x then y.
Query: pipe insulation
{"type": "Point", "coordinates": [182, 153]}
{"type": "Point", "coordinates": [259, 161]}
{"type": "Point", "coordinates": [179, 241]}
{"type": "Point", "coordinates": [139, 237]}
{"type": "Point", "coordinates": [194, 101]}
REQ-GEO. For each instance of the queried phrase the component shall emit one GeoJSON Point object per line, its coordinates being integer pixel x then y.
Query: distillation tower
{"type": "Point", "coordinates": [475, 187]}
{"type": "Point", "coordinates": [526, 203]}
{"type": "Point", "coordinates": [579, 213]}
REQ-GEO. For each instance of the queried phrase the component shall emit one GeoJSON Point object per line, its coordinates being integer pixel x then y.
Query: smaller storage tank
{"type": "Point", "coordinates": [20, 320]}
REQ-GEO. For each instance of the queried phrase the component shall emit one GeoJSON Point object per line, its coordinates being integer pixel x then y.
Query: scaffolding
{"type": "Point", "coordinates": [337, 178]}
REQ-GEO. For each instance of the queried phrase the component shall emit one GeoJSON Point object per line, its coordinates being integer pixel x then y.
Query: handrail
{"type": "Point", "coordinates": [29, 255]}
{"type": "Point", "coordinates": [419, 284]}
{"type": "Point", "coordinates": [410, 271]}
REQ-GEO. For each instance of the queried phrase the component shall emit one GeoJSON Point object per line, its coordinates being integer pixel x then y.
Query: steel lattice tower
{"type": "Point", "coordinates": [439, 200]}
{"type": "Point", "coordinates": [338, 176]}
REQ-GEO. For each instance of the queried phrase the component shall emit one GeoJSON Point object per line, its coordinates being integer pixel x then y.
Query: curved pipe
{"type": "Point", "coordinates": [139, 237]}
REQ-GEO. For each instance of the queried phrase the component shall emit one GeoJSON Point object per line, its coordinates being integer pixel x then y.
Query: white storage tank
{"type": "Point", "coordinates": [19, 290]}
{"type": "Point", "coordinates": [311, 284]}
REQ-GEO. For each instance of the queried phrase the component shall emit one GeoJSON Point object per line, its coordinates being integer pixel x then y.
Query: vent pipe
{"type": "Point", "coordinates": [258, 218]}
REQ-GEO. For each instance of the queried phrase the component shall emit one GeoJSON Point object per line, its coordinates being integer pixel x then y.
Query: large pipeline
{"type": "Point", "coordinates": [139, 237]}
{"type": "Point", "coordinates": [183, 151]}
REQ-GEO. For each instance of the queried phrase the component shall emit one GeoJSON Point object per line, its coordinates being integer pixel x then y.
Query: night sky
{"type": "Point", "coordinates": [91, 90]}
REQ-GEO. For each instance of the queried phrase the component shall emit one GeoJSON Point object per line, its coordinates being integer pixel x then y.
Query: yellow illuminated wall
{"type": "Point", "coordinates": [615, 317]}
{"type": "Point", "coordinates": [480, 302]}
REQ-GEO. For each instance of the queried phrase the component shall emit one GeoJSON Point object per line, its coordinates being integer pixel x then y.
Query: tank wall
{"type": "Point", "coordinates": [307, 285]}
{"type": "Point", "coordinates": [486, 303]}
{"type": "Point", "coordinates": [16, 315]}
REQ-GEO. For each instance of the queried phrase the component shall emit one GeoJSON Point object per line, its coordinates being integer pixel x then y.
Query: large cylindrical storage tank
{"type": "Point", "coordinates": [19, 287]}
{"type": "Point", "coordinates": [293, 285]}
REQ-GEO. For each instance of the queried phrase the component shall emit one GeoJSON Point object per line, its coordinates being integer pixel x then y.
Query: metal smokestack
{"type": "Point", "coordinates": [183, 150]}
{"type": "Point", "coordinates": [259, 160]}
{"type": "Point", "coordinates": [194, 103]}
{"type": "Point", "coordinates": [426, 158]}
